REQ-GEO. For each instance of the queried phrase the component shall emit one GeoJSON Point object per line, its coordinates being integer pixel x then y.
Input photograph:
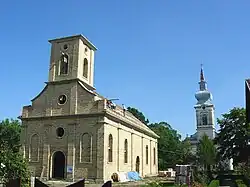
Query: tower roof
{"type": "Point", "coordinates": [202, 78]}
{"type": "Point", "coordinates": [83, 38]}
{"type": "Point", "coordinates": [203, 95]}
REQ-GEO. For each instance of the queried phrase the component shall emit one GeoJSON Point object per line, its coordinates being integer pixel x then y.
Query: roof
{"type": "Point", "coordinates": [129, 116]}
{"type": "Point", "coordinates": [83, 38]}
{"type": "Point", "coordinates": [247, 99]}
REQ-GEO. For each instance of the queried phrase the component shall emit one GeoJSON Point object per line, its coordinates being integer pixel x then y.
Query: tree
{"type": "Point", "coordinates": [139, 115]}
{"type": "Point", "coordinates": [206, 152]}
{"type": "Point", "coordinates": [12, 163]}
{"type": "Point", "coordinates": [206, 158]}
{"type": "Point", "coordinates": [171, 150]}
{"type": "Point", "coordinates": [233, 136]}
{"type": "Point", "coordinates": [169, 145]}
{"type": "Point", "coordinates": [187, 156]}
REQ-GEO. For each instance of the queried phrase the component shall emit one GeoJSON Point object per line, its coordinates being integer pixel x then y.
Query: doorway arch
{"type": "Point", "coordinates": [137, 164]}
{"type": "Point", "coordinates": [58, 165]}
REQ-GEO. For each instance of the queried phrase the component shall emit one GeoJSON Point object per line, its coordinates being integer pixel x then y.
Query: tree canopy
{"type": "Point", "coordinates": [171, 150]}
{"type": "Point", "coordinates": [169, 145]}
{"type": "Point", "coordinates": [12, 164]}
{"type": "Point", "coordinates": [206, 152]}
{"type": "Point", "coordinates": [139, 115]}
{"type": "Point", "coordinates": [233, 136]}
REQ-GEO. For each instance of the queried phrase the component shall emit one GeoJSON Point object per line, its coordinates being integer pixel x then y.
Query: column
{"type": "Point", "coordinates": [132, 156]}
{"type": "Point", "coordinates": [71, 151]}
{"type": "Point", "coordinates": [150, 157]}
{"type": "Point", "coordinates": [45, 161]}
{"type": "Point", "coordinates": [142, 159]}
{"type": "Point", "coordinates": [101, 152]}
{"type": "Point", "coordinates": [46, 158]}
{"type": "Point", "coordinates": [118, 151]}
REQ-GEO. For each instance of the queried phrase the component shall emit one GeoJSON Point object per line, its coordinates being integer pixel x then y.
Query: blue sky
{"type": "Point", "coordinates": [149, 52]}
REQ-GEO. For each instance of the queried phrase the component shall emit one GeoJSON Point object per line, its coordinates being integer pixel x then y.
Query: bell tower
{"type": "Point", "coordinates": [72, 58]}
{"type": "Point", "coordinates": [204, 108]}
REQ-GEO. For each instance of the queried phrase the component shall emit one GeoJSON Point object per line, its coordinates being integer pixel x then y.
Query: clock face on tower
{"type": "Point", "coordinates": [62, 99]}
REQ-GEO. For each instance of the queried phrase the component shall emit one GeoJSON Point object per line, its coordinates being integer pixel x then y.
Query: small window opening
{"type": "Point", "coordinates": [64, 64]}
{"type": "Point", "coordinates": [60, 132]}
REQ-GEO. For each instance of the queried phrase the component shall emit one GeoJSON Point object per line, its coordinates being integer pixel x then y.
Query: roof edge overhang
{"type": "Point", "coordinates": [80, 36]}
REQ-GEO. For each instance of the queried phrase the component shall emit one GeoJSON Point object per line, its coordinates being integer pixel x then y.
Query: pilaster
{"type": "Point", "coordinates": [71, 150]}
{"type": "Point", "coordinates": [100, 169]}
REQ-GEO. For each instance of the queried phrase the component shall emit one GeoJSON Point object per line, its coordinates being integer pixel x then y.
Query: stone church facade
{"type": "Point", "coordinates": [72, 132]}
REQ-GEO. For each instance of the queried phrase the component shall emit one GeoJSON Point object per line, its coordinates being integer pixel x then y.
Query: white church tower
{"type": "Point", "coordinates": [204, 108]}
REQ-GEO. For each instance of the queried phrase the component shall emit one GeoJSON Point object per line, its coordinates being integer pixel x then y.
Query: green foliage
{"type": "Point", "coordinates": [214, 183]}
{"type": "Point", "coordinates": [169, 145]}
{"type": "Point", "coordinates": [187, 156]}
{"type": "Point", "coordinates": [139, 115]}
{"type": "Point", "coordinates": [206, 152]}
{"type": "Point", "coordinates": [233, 136]}
{"type": "Point", "coordinates": [10, 131]}
{"type": "Point", "coordinates": [171, 150]}
{"type": "Point", "coordinates": [206, 156]}
{"type": "Point", "coordinates": [14, 165]}
{"type": "Point", "coordinates": [200, 177]}
{"type": "Point", "coordinates": [240, 183]}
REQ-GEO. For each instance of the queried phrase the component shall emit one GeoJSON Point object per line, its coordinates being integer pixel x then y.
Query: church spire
{"type": "Point", "coordinates": [202, 75]}
{"type": "Point", "coordinates": [202, 83]}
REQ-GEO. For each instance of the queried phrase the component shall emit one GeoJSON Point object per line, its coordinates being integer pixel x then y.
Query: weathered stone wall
{"type": "Point", "coordinates": [83, 112]}
{"type": "Point", "coordinates": [136, 147]}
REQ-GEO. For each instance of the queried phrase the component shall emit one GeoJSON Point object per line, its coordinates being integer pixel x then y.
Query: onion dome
{"type": "Point", "coordinates": [203, 95]}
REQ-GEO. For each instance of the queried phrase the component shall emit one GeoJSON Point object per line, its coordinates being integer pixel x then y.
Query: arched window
{"type": "Point", "coordinates": [34, 148]}
{"type": "Point", "coordinates": [204, 119]}
{"type": "Point", "coordinates": [86, 148]}
{"type": "Point", "coordinates": [154, 155]}
{"type": "Point", "coordinates": [110, 148]}
{"type": "Point", "coordinates": [146, 154]}
{"type": "Point", "coordinates": [126, 151]}
{"type": "Point", "coordinates": [85, 68]}
{"type": "Point", "coordinates": [64, 64]}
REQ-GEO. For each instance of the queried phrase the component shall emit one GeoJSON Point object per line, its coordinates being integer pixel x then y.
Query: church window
{"type": "Point", "coordinates": [126, 151]}
{"type": "Point", "coordinates": [85, 68]}
{"type": "Point", "coordinates": [110, 148]}
{"type": "Point", "coordinates": [65, 46]}
{"type": "Point", "coordinates": [204, 119]}
{"type": "Point", "coordinates": [64, 64]}
{"type": "Point", "coordinates": [62, 99]}
{"type": "Point", "coordinates": [34, 148]}
{"type": "Point", "coordinates": [85, 148]}
{"type": "Point", "coordinates": [60, 132]}
{"type": "Point", "coordinates": [146, 154]}
{"type": "Point", "coordinates": [154, 156]}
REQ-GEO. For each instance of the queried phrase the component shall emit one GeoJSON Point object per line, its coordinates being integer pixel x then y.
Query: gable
{"type": "Point", "coordinates": [46, 103]}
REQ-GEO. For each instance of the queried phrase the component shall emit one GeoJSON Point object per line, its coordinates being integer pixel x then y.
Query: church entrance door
{"type": "Point", "coordinates": [58, 165]}
{"type": "Point", "coordinates": [137, 164]}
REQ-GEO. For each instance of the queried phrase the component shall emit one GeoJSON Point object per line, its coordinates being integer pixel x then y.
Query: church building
{"type": "Point", "coordinates": [204, 110]}
{"type": "Point", "coordinates": [71, 132]}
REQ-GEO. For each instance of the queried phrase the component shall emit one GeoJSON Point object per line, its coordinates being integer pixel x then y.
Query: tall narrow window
{"type": "Point", "coordinates": [154, 156]}
{"type": "Point", "coordinates": [34, 148]}
{"type": "Point", "coordinates": [85, 68]}
{"type": "Point", "coordinates": [85, 148]}
{"type": "Point", "coordinates": [64, 64]}
{"type": "Point", "coordinates": [126, 151]}
{"type": "Point", "coordinates": [146, 154]}
{"type": "Point", "coordinates": [204, 119]}
{"type": "Point", "coordinates": [110, 148]}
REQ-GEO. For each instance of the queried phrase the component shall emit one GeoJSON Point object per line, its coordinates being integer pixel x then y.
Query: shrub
{"type": "Point", "coordinates": [214, 183]}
